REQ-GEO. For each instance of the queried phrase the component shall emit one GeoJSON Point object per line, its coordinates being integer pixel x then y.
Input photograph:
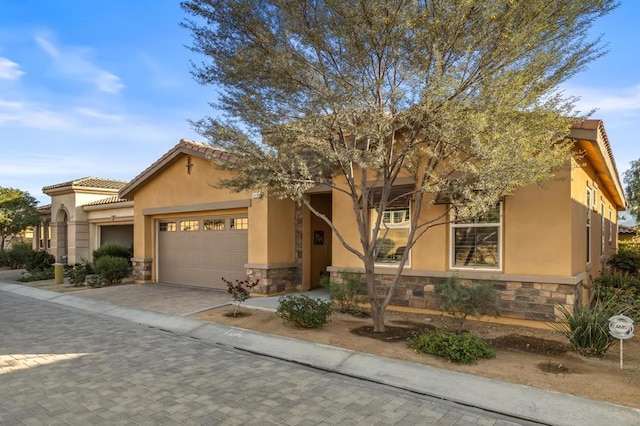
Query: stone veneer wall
{"type": "Point", "coordinates": [522, 300]}
{"type": "Point", "coordinates": [274, 279]}
{"type": "Point", "coordinates": [141, 269]}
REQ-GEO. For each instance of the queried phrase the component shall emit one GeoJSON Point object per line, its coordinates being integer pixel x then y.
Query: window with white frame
{"type": "Point", "coordinates": [392, 236]}
{"type": "Point", "coordinates": [476, 243]}
{"type": "Point", "coordinates": [601, 228]}
{"type": "Point", "coordinates": [588, 224]}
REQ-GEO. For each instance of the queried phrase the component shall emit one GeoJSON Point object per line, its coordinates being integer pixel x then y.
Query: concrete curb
{"type": "Point", "coordinates": [514, 400]}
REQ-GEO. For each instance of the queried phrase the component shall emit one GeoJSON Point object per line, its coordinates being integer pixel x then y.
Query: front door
{"type": "Point", "coordinates": [320, 239]}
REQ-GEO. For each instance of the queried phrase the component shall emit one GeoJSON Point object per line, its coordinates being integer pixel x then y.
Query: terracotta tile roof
{"type": "Point", "coordinates": [185, 146]}
{"type": "Point", "coordinates": [44, 207]}
{"type": "Point", "coordinates": [109, 200]}
{"type": "Point", "coordinates": [623, 229]}
{"type": "Point", "coordinates": [88, 182]}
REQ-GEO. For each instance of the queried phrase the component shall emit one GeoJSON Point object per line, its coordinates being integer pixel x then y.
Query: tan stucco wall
{"type": "Point", "coordinates": [583, 176]}
{"type": "Point", "coordinates": [537, 229]}
{"type": "Point", "coordinates": [271, 222]}
{"type": "Point", "coordinates": [80, 240]}
{"type": "Point", "coordinates": [543, 231]}
{"type": "Point", "coordinates": [172, 187]}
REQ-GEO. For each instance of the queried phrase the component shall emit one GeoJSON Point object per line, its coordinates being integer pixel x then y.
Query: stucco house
{"type": "Point", "coordinates": [540, 245]}
{"type": "Point", "coordinates": [627, 233]}
{"type": "Point", "coordinates": [84, 214]}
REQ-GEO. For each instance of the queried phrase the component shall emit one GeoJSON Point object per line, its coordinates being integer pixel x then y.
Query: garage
{"type": "Point", "coordinates": [201, 251]}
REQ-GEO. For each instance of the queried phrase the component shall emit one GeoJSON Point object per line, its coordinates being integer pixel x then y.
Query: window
{"type": "Point", "coordinates": [610, 224]}
{"type": "Point", "coordinates": [476, 243]}
{"type": "Point", "coordinates": [601, 228]}
{"type": "Point", "coordinates": [392, 236]}
{"type": "Point", "coordinates": [213, 224]}
{"type": "Point", "coordinates": [168, 227]}
{"type": "Point", "coordinates": [240, 223]}
{"type": "Point", "coordinates": [588, 224]}
{"type": "Point", "coordinates": [189, 225]}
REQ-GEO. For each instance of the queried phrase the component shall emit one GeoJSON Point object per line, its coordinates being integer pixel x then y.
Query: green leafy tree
{"type": "Point", "coordinates": [459, 96]}
{"type": "Point", "coordinates": [17, 212]}
{"type": "Point", "coordinates": [632, 189]}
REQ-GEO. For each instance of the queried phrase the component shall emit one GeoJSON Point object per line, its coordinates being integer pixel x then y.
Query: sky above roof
{"type": "Point", "coordinates": [103, 88]}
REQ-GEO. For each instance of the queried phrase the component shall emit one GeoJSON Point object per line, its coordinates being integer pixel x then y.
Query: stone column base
{"type": "Point", "coordinates": [142, 270]}
{"type": "Point", "coordinates": [274, 278]}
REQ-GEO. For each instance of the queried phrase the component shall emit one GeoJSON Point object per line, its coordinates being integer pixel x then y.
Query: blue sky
{"type": "Point", "coordinates": [102, 88]}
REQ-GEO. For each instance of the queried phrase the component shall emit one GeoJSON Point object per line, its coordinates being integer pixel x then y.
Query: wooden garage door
{"type": "Point", "coordinates": [200, 251]}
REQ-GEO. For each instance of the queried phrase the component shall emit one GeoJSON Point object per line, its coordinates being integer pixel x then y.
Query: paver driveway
{"type": "Point", "coordinates": [63, 366]}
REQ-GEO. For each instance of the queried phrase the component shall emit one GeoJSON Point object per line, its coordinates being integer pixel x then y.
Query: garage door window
{"type": "Point", "coordinates": [189, 225]}
{"type": "Point", "coordinates": [213, 224]}
{"type": "Point", "coordinates": [168, 227]}
{"type": "Point", "coordinates": [240, 223]}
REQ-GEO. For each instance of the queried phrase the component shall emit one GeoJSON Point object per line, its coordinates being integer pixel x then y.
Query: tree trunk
{"type": "Point", "coordinates": [377, 306]}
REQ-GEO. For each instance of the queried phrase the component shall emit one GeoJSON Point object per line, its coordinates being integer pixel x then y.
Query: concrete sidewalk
{"type": "Point", "coordinates": [518, 401]}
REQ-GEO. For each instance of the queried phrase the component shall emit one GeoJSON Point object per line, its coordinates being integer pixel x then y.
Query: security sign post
{"type": "Point", "coordinates": [621, 327]}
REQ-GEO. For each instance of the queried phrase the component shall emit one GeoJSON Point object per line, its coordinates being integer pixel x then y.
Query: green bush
{"type": "Point", "coordinates": [587, 327]}
{"type": "Point", "coordinates": [114, 250]}
{"type": "Point", "coordinates": [463, 348]}
{"type": "Point", "coordinates": [4, 261]}
{"type": "Point", "coordinates": [348, 291]}
{"type": "Point", "coordinates": [618, 287]}
{"type": "Point", "coordinates": [112, 269]}
{"type": "Point", "coordinates": [303, 311]}
{"type": "Point", "coordinates": [464, 300]}
{"type": "Point", "coordinates": [627, 259]}
{"type": "Point", "coordinates": [77, 275]}
{"type": "Point", "coordinates": [17, 255]}
{"type": "Point", "coordinates": [39, 260]}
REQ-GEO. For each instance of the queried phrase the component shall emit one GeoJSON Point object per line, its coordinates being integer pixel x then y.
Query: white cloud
{"type": "Point", "coordinates": [9, 70]}
{"type": "Point", "coordinates": [93, 113]}
{"type": "Point", "coordinates": [625, 101]}
{"type": "Point", "coordinates": [74, 62]}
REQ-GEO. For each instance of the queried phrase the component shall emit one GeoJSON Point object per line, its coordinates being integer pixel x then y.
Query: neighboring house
{"type": "Point", "coordinates": [84, 214]}
{"type": "Point", "coordinates": [540, 245]}
{"type": "Point", "coordinates": [627, 233]}
{"type": "Point", "coordinates": [25, 237]}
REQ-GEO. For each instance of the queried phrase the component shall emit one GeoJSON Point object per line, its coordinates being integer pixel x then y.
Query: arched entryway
{"type": "Point", "coordinates": [60, 235]}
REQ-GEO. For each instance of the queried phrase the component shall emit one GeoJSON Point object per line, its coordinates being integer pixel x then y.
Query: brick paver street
{"type": "Point", "coordinates": [61, 366]}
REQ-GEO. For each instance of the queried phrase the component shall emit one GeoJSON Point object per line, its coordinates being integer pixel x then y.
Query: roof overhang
{"type": "Point", "coordinates": [591, 138]}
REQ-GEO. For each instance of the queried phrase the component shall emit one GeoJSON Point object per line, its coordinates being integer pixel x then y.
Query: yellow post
{"type": "Point", "coordinates": [58, 269]}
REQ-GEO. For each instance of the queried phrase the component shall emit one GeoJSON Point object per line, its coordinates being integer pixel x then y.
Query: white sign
{"type": "Point", "coordinates": [621, 327]}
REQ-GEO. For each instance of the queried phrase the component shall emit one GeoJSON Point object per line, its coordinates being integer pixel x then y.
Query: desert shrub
{"type": "Point", "coordinates": [348, 291]}
{"type": "Point", "coordinates": [464, 300]}
{"type": "Point", "coordinates": [39, 260]}
{"type": "Point", "coordinates": [45, 274]}
{"type": "Point", "coordinates": [95, 280]}
{"type": "Point", "coordinates": [619, 288]}
{"type": "Point", "coordinates": [17, 255]}
{"type": "Point", "coordinates": [111, 269]}
{"type": "Point", "coordinates": [626, 259]}
{"type": "Point", "coordinates": [77, 275]}
{"type": "Point", "coordinates": [587, 327]}
{"type": "Point", "coordinates": [113, 250]}
{"type": "Point", "coordinates": [463, 348]}
{"type": "Point", "coordinates": [303, 311]}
